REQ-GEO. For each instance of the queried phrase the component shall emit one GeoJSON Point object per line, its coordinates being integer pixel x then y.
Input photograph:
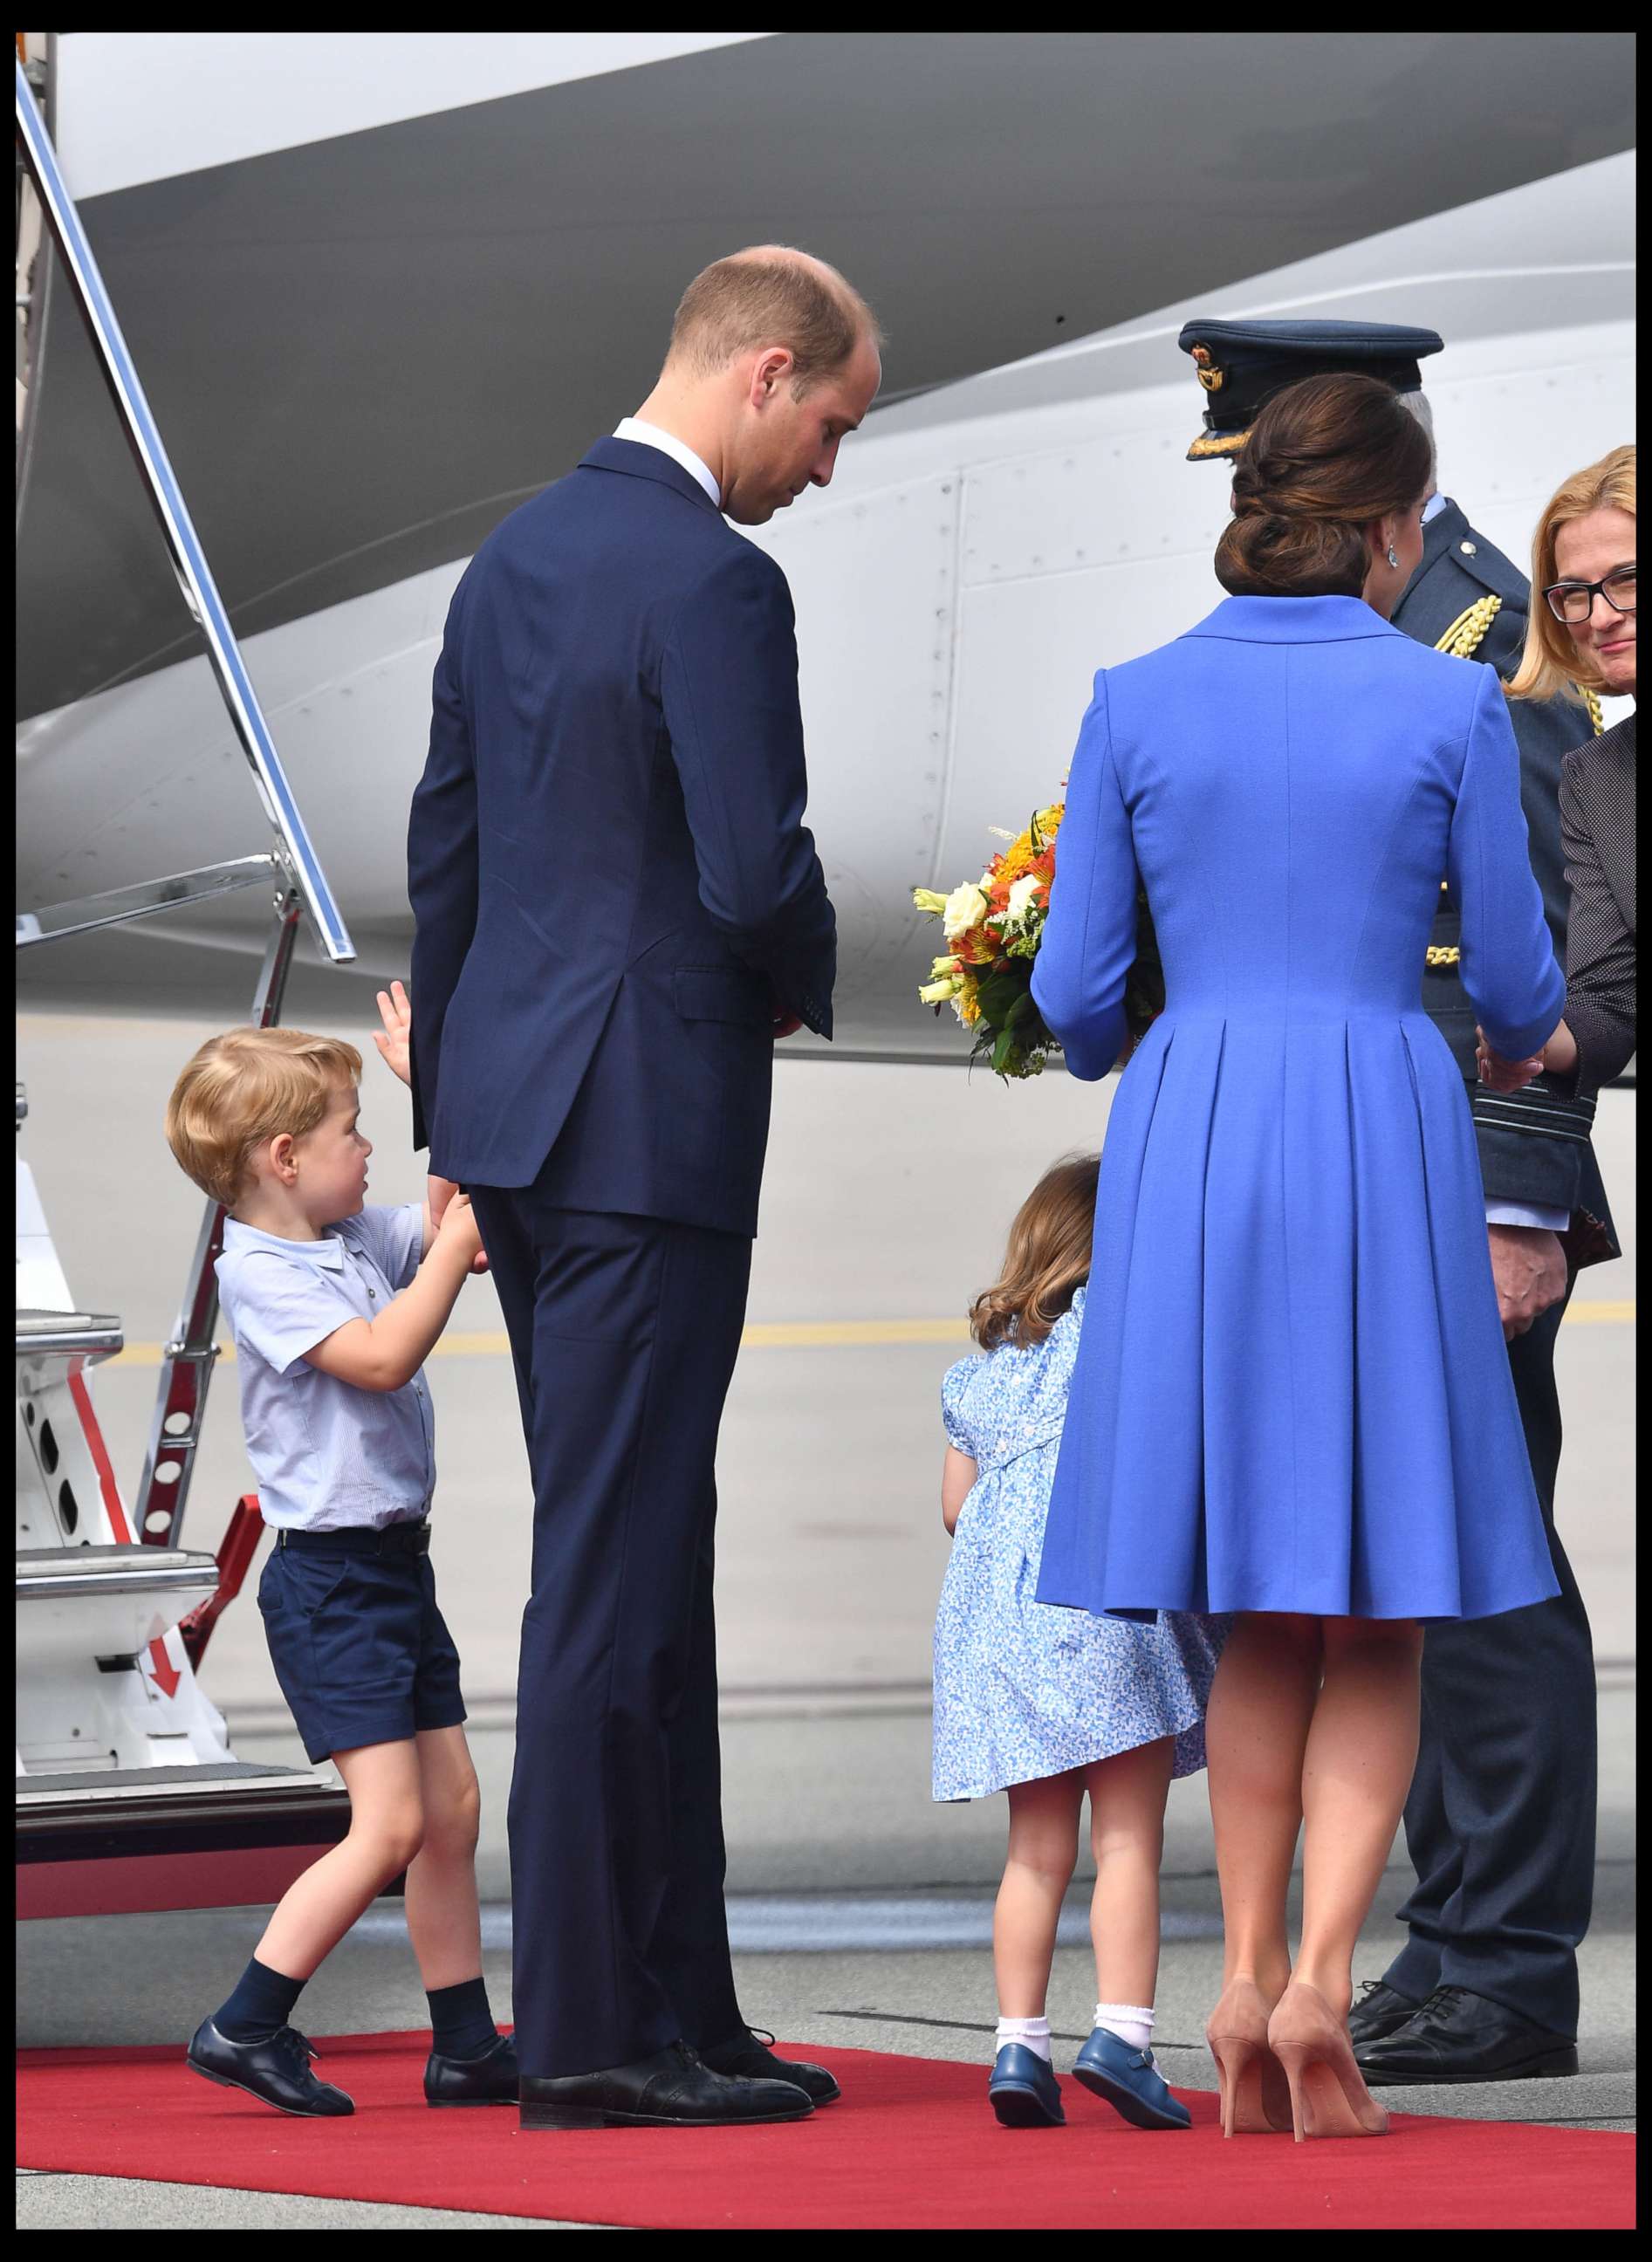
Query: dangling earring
{"type": "Point", "coordinates": [1394, 557]}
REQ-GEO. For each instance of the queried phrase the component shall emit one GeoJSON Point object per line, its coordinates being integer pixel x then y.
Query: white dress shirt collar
{"type": "Point", "coordinates": [1432, 507]}
{"type": "Point", "coordinates": [652, 435]}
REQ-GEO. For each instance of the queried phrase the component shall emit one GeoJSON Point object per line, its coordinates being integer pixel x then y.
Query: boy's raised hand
{"type": "Point", "coordinates": [394, 1040]}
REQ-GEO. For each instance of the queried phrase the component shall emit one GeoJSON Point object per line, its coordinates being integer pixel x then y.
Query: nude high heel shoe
{"type": "Point", "coordinates": [1328, 2093]}
{"type": "Point", "coordinates": [1255, 2095]}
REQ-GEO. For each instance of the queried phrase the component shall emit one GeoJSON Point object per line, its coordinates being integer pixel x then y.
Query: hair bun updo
{"type": "Point", "coordinates": [1323, 459]}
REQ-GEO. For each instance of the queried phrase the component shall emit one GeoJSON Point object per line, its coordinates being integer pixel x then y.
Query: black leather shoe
{"type": "Point", "coordinates": [276, 2071]}
{"type": "Point", "coordinates": [747, 2058]}
{"type": "Point", "coordinates": [1460, 2036]}
{"type": "Point", "coordinates": [1380, 2010]}
{"type": "Point", "coordinates": [672, 2089]}
{"type": "Point", "coordinates": [489, 2080]}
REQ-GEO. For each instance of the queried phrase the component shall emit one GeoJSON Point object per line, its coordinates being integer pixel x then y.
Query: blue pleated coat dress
{"type": "Point", "coordinates": [1291, 1391]}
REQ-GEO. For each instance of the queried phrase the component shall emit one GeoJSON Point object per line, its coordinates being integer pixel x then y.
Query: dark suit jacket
{"type": "Point", "coordinates": [1598, 827]}
{"type": "Point", "coordinates": [613, 889]}
{"type": "Point", "coordinates": [1530, 1150]}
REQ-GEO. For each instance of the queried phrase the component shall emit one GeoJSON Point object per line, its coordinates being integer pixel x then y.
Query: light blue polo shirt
{"type": "Point", "coordinates": [328, 1456]}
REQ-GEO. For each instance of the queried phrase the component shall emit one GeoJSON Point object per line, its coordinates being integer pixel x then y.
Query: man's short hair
{"type": "Point", "coordinates": [1416, 404]}
{"type": "Point", "coordinates": [245, 1087]}
{"type": "Point", "coordinates": [755, 299]}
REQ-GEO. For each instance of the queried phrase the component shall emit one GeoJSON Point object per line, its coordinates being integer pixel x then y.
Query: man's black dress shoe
{"type": "Point", "coordinates": [747, 2059]}
{"type": "Point", "coordinates": [489, 2080]}
{"type": "Point", "coordinates": [672, 2089]}
{"type": "Point", "coordinates": [1380, 2010]}
{"type": "Point", "coordinates": [276, 2071]}
{"type": "Point", "coordinates": [1460, 2037]}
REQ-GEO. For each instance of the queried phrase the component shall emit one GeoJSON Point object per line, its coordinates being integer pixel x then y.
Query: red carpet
{"type": "Point", "coordinates": [911, 2145]}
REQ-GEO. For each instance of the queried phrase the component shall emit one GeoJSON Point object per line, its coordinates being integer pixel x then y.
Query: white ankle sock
{"type": "Point", "coordinates": [1132, 2022]}
{"type": "Point", "coordinates": [1032, 2033]}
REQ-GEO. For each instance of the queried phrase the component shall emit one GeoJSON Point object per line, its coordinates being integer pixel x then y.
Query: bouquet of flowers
{"type": "Point", "coordinates": [994, 927]}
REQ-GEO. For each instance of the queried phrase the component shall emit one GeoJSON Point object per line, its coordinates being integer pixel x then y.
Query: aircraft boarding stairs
{"type": "Point", "coordinates": [128, 1795]}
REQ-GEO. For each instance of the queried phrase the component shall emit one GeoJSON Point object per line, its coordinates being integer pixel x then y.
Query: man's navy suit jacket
{"type": "Point", "coordinates": [613, 889]}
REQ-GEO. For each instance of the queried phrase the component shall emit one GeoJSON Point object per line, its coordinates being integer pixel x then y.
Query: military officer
{"type": "Point", "coordinates": [1500, 1823]}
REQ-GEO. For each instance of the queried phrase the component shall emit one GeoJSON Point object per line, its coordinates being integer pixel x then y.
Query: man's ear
{"type": "Point", "coordinates": [769, 371]}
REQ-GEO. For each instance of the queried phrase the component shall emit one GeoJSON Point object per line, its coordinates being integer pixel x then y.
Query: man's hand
{"type": "Point", "coordinates": [393, 1041]}
{"type": "Point", "coordinates": [787, 1025]}
{"type": "Point", "coordinates": [1558, 1057]}
{"type": "Point", "coordinates": [1529, 1267]}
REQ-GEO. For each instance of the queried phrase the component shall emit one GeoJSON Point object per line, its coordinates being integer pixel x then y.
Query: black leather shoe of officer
{"type": "Point", "coordinates": [490, 2080]}
{"type": "Point", "coordinates": [1460, 2036]}
{"type": "Point", "coordinates": [276, 2071]}
{"type": "Point", "coordinates": [672, 2089]}
{"type": "Point", "coordinates": [747, 2058]}
{"type": "Point", "coordinates": [1380, 2010]}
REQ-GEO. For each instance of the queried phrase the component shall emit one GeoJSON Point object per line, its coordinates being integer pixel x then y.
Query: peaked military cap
{"type": "Point", "coordinates": [1242, 365]}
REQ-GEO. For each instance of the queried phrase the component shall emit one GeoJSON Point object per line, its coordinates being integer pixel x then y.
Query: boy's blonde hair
{"type": "Point", "coordinates": [1553, 665]}
{"type": "Point", "coordinates": [1048, 1259]}
{"type": "Point", "coordinates": [245, 1087]}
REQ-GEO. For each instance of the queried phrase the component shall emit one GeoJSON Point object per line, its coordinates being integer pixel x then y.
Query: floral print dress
{"type": "Point", "coordinates": [1023, 1689]}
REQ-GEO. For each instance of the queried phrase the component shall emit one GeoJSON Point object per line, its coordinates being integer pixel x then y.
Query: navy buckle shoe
{"type": "Point", "coordinates": [1130, 2082]}
{"type": "Point", "coordinates": [276, 2072]}
{"type": "Point", "coordinates": [1023, 2090]}
{"type": "Point", "coordinates": [489, 2080]}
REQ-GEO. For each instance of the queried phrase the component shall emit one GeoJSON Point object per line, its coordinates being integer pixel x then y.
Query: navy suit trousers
{"type": "Point", "coordinates": [1500, 1822]}
{"type": "Point", "coordinates": [624, 1332]}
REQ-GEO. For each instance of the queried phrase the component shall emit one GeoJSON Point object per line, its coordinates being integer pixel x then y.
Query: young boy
{"type": "Point", "coordinates": [334, 1307]}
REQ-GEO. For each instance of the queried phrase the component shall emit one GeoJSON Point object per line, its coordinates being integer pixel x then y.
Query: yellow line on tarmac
{"type": "Point", "coordinates": [797, 1335]}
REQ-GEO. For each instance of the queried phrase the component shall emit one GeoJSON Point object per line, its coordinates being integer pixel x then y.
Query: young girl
{"type": "Point", "coordinates": [1051, 1703]}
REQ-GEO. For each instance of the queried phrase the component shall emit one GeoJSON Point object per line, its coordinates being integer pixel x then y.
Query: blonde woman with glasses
{"type": "Point", "coordinates": [1584, 635]}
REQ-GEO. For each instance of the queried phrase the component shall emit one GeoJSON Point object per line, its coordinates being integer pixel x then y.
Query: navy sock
{"type": "Point", "coordinates": [263, 2001]}
{"type": "Point", "coordinates": [461, 2024]}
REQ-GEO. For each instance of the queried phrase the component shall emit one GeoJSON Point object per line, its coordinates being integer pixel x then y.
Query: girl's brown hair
{"type": "Point", "coordinates": [1553, 664]}
{"type": "Point", "coordinates": [1046, 1260]}
{"type": "Point", "coordinates": [1323, 459]}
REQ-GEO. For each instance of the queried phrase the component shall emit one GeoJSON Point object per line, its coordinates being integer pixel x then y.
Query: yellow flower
{"type": "Point", "coordinates": [937, 993]}
{"type": "Point", "coordinates": [926, 900]}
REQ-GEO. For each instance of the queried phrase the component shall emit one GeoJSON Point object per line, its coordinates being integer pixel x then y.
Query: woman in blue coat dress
{"type": "Point", "coordinates": [1292, 1398]}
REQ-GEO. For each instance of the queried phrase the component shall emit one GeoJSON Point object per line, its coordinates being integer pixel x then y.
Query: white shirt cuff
{"type": "Point", "coordinates": [1540, 1214]}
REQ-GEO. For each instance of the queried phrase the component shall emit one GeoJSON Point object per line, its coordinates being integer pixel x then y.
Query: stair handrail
{"type": "Point", "coordinates": [300, 884]}
{"type": "Point", "coordinates": [81, 275]}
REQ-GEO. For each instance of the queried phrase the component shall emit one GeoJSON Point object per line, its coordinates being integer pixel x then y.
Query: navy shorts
{"type": "Point", "coordinates": [358, 1645]}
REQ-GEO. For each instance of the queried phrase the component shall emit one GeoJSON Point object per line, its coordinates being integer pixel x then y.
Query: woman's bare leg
{"type": "Point", "coordinates": [1356, 1773]}
{"type": "Point", "coordinates": [1255, 1733]}
{"type": "Point", "coordinates": [1127, 1837]}
{"type": "Point", "coordinates": [386, 1824]}
{"type": "Point", "coordinates": [1043, 1849]}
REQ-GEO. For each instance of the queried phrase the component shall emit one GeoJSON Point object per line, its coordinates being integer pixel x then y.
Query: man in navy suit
{"type": "Point", "coordinates": [618, 910]}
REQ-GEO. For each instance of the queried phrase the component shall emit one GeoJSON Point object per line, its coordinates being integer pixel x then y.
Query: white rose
{"type": "Point", "coordinates": [966, 907]}
{"type": "Point", "coordinates": [1021, 900]}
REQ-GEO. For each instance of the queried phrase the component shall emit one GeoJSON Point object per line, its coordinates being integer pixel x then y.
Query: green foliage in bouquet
{"type": "Point", "coordinates": [994, 929]}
